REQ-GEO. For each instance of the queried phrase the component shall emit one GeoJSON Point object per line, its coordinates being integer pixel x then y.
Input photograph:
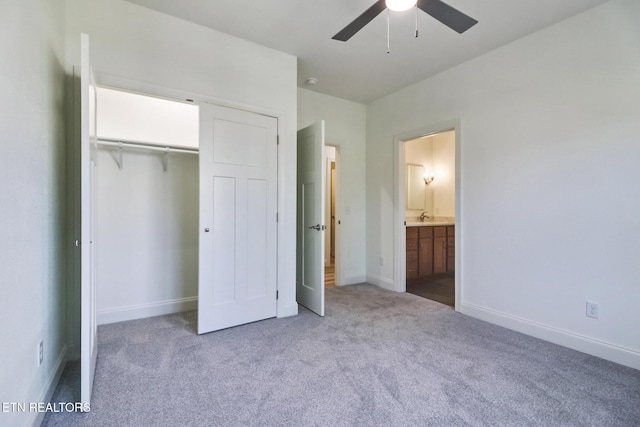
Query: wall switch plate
{"type": "Point", "coordinates": [40, 353]}
{"type": "Point", "coordinates": [593, 309]}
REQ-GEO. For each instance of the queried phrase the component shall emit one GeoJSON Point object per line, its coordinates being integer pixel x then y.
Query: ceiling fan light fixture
{"type": "Point", "coordinates": [400, 5]}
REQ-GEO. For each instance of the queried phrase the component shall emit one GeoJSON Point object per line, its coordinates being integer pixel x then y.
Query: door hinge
{"type": "Point", "coordinates": [277, 139]}
{"type": "Point", "coordinates": [277, 216]}
{"type": "Point", "coordinates": [276, 294]}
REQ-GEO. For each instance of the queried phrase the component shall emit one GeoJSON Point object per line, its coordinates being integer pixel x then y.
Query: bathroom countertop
{"type": "Point", "coordinates": [431, 222]}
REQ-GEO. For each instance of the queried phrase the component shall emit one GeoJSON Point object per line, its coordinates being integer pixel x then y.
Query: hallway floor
{"type": "Point", "coordinates": [329, 276]}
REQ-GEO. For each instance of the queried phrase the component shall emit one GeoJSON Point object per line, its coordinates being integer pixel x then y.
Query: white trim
{"type": "Point", "coordinates": [287, 309]}
{"type": "Point", "coordinates": [36, 418]}
{"type": "Point", "coordinates": [132, 312]}
{"type": "Point", "coordinates": [399, 210]}
{"type": "Point", "coordinates": [381, 282]}
{"type": "Point", "coordinates": [605, 350]}
{"type": "Point", "coordinates": [354, 279]}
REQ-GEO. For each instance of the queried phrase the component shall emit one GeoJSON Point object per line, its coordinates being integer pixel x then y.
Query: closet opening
{"type": "Point", "coordinates": [147, 205]}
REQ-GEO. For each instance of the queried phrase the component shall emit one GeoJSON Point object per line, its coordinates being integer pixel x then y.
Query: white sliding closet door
{"type": "Point", "coordinates": [238, 206]}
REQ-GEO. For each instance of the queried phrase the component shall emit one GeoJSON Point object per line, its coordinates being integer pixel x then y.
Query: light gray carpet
{"type": "Point", "coordinates": [377, 358]}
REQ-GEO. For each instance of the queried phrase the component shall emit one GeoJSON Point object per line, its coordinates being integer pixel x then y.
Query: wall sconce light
{"type": "Point", "coordinates": [428, 177]}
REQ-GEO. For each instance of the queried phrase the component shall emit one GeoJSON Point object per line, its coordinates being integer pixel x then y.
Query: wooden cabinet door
{"type": "Point", "coordinates": [425, 256]}
{"type": "Point", "coordinates": [425, 251]}
{"type": "Point", "coordinates": [439, 250]}
{"type": "Point", "coordinates": [439, 255]}
{"type": "Point", "coordinates": [451, 250]}
{"type": "Point", "coordinates": [412, 264]}
{"type": "Point", "coordinates": [412, 252]}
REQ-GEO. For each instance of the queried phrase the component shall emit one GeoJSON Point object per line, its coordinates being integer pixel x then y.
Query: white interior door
{"type": "Point", "coordinates": [238, 222]}
{"type": "Point", "coordinates": [87, 243]}
{"type": "Point", "coordinates": [310, 214]}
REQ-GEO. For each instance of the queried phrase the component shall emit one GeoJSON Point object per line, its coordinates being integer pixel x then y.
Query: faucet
{"type": "Point", "coordinates": [424, 216]}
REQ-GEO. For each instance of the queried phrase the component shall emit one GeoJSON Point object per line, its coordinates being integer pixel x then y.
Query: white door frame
{"type": "Point", "coordinates": [286, 306]}
{"type": "Point", "coordinates": [399, 211]}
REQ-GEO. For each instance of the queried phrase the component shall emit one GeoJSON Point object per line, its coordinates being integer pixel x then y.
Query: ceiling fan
{"type": "Point", "coordinates": [444, 13]}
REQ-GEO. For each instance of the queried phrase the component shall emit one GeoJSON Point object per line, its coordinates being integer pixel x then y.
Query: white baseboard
{"type": "Point", "coordinates": [352, 280]}
{"type": "Point", "coordinates": [382, 282]}
{"type": "Point", "coordinates": [121, 314]}
{"type": "Point", "coordinates": [608, 351]}
{"type": "Point", "coordinates": [36, 418]}
{"type": "Point", "coordinates": [287, 309]}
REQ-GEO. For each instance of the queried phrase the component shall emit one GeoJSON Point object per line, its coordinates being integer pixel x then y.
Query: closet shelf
{"type": "Point", "coordinates": [136, 145]}
{"type": "Point", "coordinates": [145, 146]}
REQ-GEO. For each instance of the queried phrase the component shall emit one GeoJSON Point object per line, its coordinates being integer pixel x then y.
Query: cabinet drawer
{"type": "Point", "coordinates": [412, 232]}
{"type": "Point", "coordinates": [412, 256]}
{"type": "Point", "coordinates": [451, 231]}
{"type": "Point", "coordinates": [451, 241]}
{"type": "Point", "coordinates": [426, 232]}
{"type": "Point", "coordinates": [412, 245]}
{"type": "Point", "coordinates": [439, 231]}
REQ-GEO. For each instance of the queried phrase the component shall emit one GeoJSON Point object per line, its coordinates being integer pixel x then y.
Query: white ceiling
{"type": "Point", "coordinates": [360, 69]}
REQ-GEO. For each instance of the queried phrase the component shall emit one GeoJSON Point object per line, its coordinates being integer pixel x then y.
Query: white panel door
{"type": "Point", "coordinates": [310, 214]}
{"type": "Point", "coordinates": [238, 207]}
{"type": "Point", "coordinates": [87, 243]}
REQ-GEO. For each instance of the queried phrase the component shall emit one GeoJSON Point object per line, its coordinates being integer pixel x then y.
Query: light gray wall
{"type": "Point", "coordinates": [32, 166]}
{"type": "Point", "coordinates": [345, 127]}
{"type": "Point", "coordinates": [136, 48]}
{"type": "Point", "coordinates": [147, 226]}
{"type": "Point", "coordinates": [549, 173]}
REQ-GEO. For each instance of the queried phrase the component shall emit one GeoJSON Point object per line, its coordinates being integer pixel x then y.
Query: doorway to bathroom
{"type": "Point", "coordinates": [427, 214]}
{"type": "Point", "coordinates": [430, 217]}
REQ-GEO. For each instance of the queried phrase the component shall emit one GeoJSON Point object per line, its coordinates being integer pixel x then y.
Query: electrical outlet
{"type": "Point", "coordinates": [40, 353]}
{"type": "Point", "coordinates": [593, 309]}
{"type": "Point", "coordinates": [381, 261]}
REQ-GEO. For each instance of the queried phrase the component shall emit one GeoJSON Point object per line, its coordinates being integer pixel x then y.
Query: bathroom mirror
{"type": "Point", "coordinates": [415, 187]}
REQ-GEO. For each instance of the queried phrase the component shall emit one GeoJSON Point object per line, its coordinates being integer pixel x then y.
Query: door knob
{"type": "Point", "coordinates": [315, 227]}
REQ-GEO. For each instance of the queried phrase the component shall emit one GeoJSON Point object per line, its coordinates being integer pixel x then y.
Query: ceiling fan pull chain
{"type": "Point", "coordinates": [416, 8]}
{"type": "Point", "coordinates": [388, 43]}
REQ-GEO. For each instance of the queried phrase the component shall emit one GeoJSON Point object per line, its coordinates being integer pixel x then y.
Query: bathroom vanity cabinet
{"type": "Point", "coordinates": [430, 250]}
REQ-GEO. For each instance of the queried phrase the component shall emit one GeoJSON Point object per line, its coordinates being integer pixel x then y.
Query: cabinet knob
{"type": "Point", "coordinates": [206, 230]}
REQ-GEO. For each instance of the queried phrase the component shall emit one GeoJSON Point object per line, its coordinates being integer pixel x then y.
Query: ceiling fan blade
{"type": "Point", "coordinates": [356, 25]}
{"type": "Point", "coordinates": [446, 14]}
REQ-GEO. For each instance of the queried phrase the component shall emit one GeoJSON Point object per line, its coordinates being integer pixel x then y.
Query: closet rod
{"type": "Point", "coordinates": [127, 144]}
